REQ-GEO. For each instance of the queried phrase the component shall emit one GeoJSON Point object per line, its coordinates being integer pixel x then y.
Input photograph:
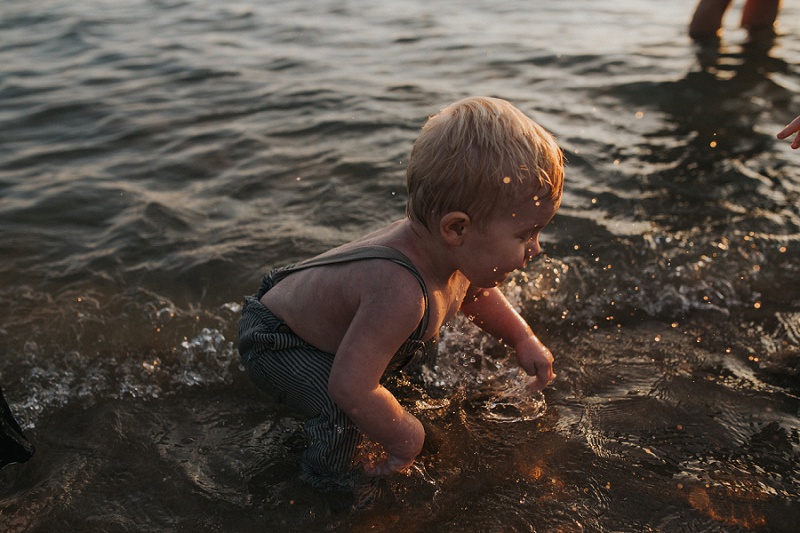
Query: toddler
{"type": "Point", "coordinates": [483, 181]}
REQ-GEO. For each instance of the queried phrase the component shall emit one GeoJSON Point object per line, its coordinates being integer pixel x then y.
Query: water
{"type": "Point", "coordinates": [157, 156]}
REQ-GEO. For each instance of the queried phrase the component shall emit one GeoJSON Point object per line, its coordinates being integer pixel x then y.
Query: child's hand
{"type": "Point", "coordinates": [391, 465]}
{"type": "Point", "coordinates": [536, 360]}
{"type": "Point", "coordinates": [793, 127]}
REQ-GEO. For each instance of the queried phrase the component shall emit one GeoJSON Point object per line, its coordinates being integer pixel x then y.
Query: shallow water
{"type": "Point", "coordinates": [156, 157]}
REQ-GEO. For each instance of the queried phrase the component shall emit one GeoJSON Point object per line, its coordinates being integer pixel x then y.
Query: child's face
{"type": "Point", "coordinates": [507, 242]}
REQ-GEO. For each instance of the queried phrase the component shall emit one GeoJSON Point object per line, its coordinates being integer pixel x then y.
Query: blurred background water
{"type": "Point", "coordinates": [158, 156]}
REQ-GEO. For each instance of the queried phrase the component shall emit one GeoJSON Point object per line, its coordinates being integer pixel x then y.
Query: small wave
{"type": "Point", "coordinates": [53, 380]}
{"type": "Point", "coordinates": [508, 397]}
{"type": "Point", "coordinates": [661, 276]}
{"type": "Point", "coordinates": [475, 370]}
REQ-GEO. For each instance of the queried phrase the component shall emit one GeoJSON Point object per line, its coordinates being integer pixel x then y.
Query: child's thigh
{"type": "Point", "coordinates": [297, 377]}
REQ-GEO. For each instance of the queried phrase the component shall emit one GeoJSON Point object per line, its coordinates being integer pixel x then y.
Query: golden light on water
{"type": "Point", "coordinates": [534, 473]}
{"type": "Point", "coordinates": [733, 506]}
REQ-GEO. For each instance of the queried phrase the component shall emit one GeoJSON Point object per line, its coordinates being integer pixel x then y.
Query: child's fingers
{"type": "Point", "coordinates": [376, 471]}
{"type": "Point", "coordinates": [538, 384]}
{"type": "Point", "coordinates": [390, 465]}
{"type": "Point", "coordinates": [792, 127]}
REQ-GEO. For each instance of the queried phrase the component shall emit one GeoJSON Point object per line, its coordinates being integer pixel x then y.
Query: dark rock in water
{"type": "Point", "coordinates": [14, 447]}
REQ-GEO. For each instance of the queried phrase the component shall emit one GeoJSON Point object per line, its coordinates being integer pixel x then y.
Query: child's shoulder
{"type": "Point", "coordinates": [387, 274]}
{"type": "Point", "coordinates": [362, 270]}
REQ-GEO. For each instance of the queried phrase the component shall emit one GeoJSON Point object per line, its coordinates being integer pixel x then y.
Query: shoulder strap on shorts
{"type": "Point", "coordinates": [372, 251]}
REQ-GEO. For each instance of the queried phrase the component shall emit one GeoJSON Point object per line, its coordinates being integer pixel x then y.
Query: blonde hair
{"type": "Point", "coordinates": [480, 155]}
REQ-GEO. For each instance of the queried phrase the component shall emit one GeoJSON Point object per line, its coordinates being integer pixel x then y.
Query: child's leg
{"type": "Point", "coordinates": [299, 377]}
{"type": "Point", "coordinates": [296, 373]}
{"type": "Point", "coordinates": [333, 441]}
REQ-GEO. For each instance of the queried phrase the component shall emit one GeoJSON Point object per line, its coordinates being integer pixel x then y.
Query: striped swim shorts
{"type": "Point", "coordinates": [296, 373]}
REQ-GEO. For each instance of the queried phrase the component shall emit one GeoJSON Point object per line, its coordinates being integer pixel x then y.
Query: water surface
{"type": "Point", "coordinates": [156, 157]}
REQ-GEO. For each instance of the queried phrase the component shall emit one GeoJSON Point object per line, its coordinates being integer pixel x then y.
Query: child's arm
{"type": "Point", "coordinates": [385, 318]}
{"type": "Point", "coordinates": [492, 312]}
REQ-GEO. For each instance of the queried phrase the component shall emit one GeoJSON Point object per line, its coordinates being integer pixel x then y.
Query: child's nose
{"type": "Point", "coordinates": [532, 249]}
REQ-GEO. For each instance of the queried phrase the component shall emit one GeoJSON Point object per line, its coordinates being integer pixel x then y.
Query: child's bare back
{"type": "Point", "coordinates": [333, 294]}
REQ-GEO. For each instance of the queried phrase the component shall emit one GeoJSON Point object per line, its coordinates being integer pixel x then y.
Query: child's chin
{"type": "Point", "coordinates": [491, 284]}
{"type": "Point", "coordinates": [502, 279]}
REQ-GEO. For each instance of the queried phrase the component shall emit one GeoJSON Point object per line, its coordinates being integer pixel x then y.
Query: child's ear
{"type": "Point", "coordinates": [453, 226]}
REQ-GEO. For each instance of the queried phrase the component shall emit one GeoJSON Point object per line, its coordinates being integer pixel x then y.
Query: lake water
{"type": "Point", "coordinates": [158, 156]}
